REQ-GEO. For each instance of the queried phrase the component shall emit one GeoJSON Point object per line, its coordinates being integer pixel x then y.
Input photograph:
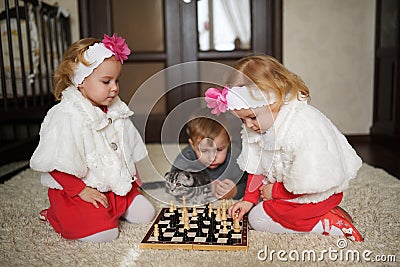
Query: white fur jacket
{"type": "Point", "coordinates": [304, 150]}
{"type": "Point", "coordinates": [80, 139]}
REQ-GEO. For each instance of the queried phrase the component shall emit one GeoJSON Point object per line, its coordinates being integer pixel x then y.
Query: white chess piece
{"type": "Point", "coordinates": [156, 230]}
{"type": "Point", "coordinates": [236, 224]}
{"type": "Point", "coordinates": [225, 228]}
{"type": "Point", "coordinates": [218, 215]}
{"type": "Point", "coordinates": [194, 212]}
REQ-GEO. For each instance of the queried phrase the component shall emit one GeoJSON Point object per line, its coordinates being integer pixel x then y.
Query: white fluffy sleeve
{"type": "Point", "coordinates": [136, 149]}
{"type": "Point", "coordinates": [250, 159]}
{"type": "Point", "coordinates": [318, 157]}
{"type": "Point", "coordinates": [61, 145]}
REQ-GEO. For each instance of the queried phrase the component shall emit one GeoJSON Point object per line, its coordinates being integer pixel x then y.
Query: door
{"type": "Point", "coordinates": [167, 34]}
{"type": "Point", "coordinates": [386, 121]}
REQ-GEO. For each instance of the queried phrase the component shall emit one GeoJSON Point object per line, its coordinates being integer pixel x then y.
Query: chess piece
{"type": "Point", "coordinates": [176, 232]}
{"type": "Point", "coordinates": [185, 235]}
{"type": "Point", "coordinates": [199, 231]}
{"type": "Point", "coordinates": [176, 217]}
{"type": "Point", "coordinates": [218, 214]}
{"type": "Point", "coordinates": [184, 209]}
{"type": "Point", "coordinates": [156, 230]}
{"type": "Point", "coordinates": [236, 223]}
{"type": "Point", "coordinates": [194, 212]}
{"type": "Point", "coordinates": [171, 208]}
{"type": "Point", "coordinates": [162, 216]}
{"type": "Point", "coordinates": [210, 236]}
{"type": "Point", "coordinates": [182, 221]}
{"type": "Point", "coordinates": [161, 236]}
{"type": "Point", "coordinates": [184, 212]}
{"type": "Point", "coordinates": [186, 224]}
{"type": "Point", "coordinates": [223, 213]}
{"type": "Point", "coordinates": [205, 214]}
{"type": "Point", "coordinates": [230, 204]}
{"type": "Point", "coordinates": [229, 241]}
{"type": "Point", "coordinates": [213, 221]}
{"type": "Point", "coordinates": [172, 222]}
{"type": "Point", "coordinates": [224, 230]}
{"type": "Point", "coordinates": [210, 209]}
{"type": "Point", "coordinates": [200, 222]}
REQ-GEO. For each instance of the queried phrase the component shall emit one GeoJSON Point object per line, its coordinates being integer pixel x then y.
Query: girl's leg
{"type": "Point", "coordinates": [140, 211]}
{"type": "Point", "coordinates": [261, 221]}
{"type": "Point", "coordinates": [104, 236]}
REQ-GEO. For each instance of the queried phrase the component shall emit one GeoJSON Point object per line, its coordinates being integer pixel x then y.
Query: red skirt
{"type": "Point", "coordinates": [74, 218]}
{"type": "Point", "coordinates": [300, 216]}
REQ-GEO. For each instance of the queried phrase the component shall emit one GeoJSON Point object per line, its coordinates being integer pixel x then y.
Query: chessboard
{"type": "Point", "coordinates": [196, 228]}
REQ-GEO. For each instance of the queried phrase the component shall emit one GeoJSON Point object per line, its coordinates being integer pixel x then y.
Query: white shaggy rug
{"type": "Point", "coordinates": [372, 200]}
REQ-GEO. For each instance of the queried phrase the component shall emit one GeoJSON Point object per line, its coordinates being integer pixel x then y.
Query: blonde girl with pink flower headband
{"type": "Point", "coordinates": [88, 146]}
{"type": "Point", "coordinates": [298, 162]}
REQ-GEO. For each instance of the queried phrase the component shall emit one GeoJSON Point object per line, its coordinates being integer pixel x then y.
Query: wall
{"type": "Point", "coordinates": [330, 44]}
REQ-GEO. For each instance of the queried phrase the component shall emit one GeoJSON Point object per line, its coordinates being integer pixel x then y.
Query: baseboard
{"type": "Point", "coordinates": [12, 173]}
{"type": "Point", "coordinates": [358, 138]}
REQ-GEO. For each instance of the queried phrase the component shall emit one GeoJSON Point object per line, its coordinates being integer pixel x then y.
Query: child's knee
{"type": "Point", "coordinates": [104, 236]}
{"type": "Point", "coordinates": [140, 211]}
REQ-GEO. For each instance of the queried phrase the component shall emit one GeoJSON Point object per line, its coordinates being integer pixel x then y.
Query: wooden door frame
{"type": "Point", "coordinates": [386, 112]}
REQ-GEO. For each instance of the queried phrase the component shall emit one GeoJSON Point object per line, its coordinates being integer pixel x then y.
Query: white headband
{"type": "Point", "coordinates": [237, 98]}
{"type": "Point", "coordinates": [95, 55]}
{"type": "Point", "coordinates": [245, 98]}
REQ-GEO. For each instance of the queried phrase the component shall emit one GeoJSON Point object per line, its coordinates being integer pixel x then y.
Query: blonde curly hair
{"type": "Point", "coordinates": [268, 74]}
{"type": "Point", "coordinates": [66, 70]}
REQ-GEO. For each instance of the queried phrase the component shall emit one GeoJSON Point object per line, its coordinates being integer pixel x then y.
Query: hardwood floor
{"type": "Point", "coordinates": [377, 154]}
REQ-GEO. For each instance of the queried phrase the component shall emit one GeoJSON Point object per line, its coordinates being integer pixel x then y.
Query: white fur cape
{"type": "Point", "coordinates": [80, 139]}
{"type": "Point", "coordinates": [304, 150]}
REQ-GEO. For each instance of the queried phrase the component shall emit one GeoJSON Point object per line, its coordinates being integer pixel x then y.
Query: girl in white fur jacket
{"type": "Point", "coordinates": [88, 146]}
{"type": "Point", "coordinates": [298, 162]}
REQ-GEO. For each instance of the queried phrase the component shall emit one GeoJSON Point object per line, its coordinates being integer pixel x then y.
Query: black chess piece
{"type": "Point", "coordinates": [199, 231]}
{"type": "Point", "coordinates": [161, 236]}
{"type": "Point", "coordinates": [200, 222]}
{"type": "Point", "coordinates": [185, 236]}
{"type": "Point", "coordinates": [210, 236]}
{"type": "Point", "coordinates": [176, 217]}
{"type": "Point", "coordinates": [172, 222]}
{"type": "Point", "coordinates": [205, 210]}
{"type": "Point", "coordinates": [162, 216]}
{"type": "Point", "coordinates": [176, 233]}
{"type": "Point", "coordinates": [229, 241]}
{"type": "Point", "coordinates": [205, 214]}
{"type": "Point", "coordinates": [213, 221]}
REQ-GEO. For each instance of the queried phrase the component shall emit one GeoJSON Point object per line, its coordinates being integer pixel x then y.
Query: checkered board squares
{"type": "Point", "coordinates": [173, 236]}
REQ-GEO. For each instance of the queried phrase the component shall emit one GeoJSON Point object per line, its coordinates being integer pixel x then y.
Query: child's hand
{"type": "Point", "coordinates": [223, 188]}
{"type": "Point", "coordinates": [241, 207]}
{"type": "Point", "coordinates": [93, 196]}
{"type": "Point", "coordinates": [266, 191]}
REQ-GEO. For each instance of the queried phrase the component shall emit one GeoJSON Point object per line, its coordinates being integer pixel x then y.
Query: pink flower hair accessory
{"type": "Point", "coordinates": [97, 53]}
{"type": "Point", "coordinates": [118, 46]}
{"type": "Point", "coordinates": [237, 98]}
{"type": "Point", "coordinates": [216, 99]}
